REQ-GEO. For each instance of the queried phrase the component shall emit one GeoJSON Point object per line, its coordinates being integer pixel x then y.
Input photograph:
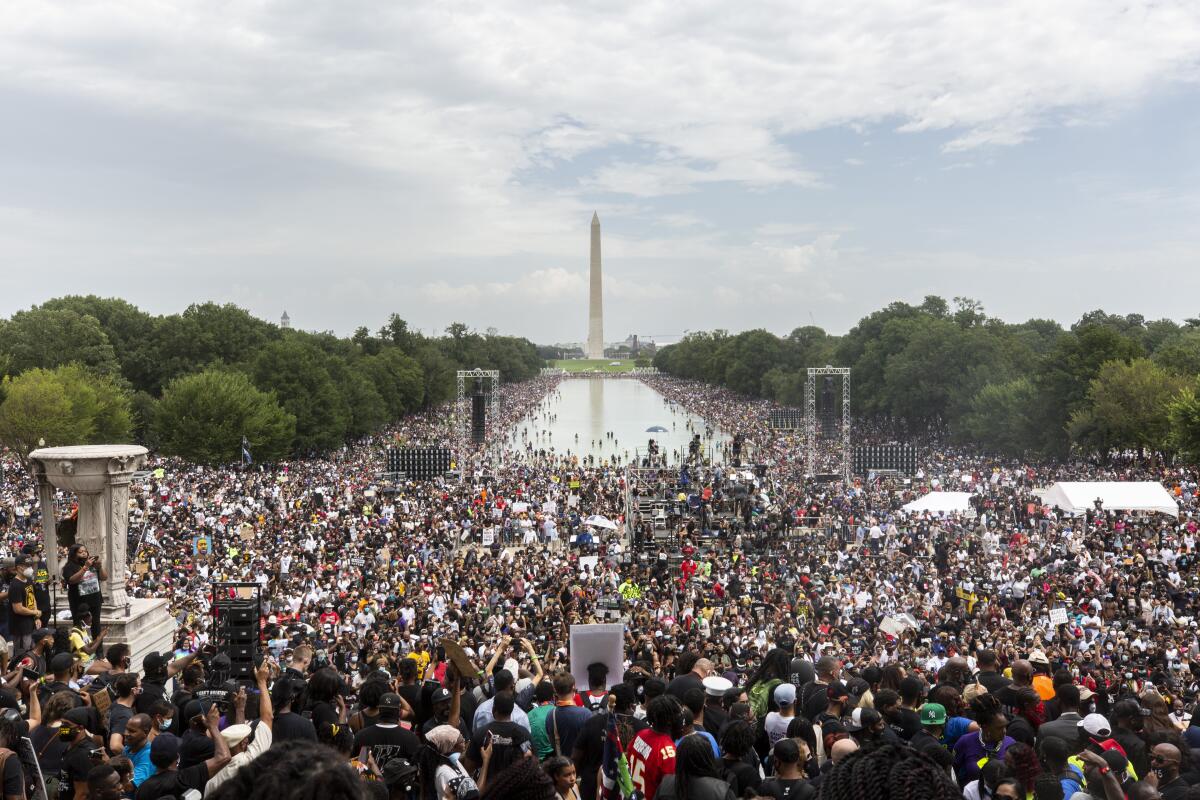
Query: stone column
{"type": "Point", "coordinates": [114, 558]}
{"type": "Point", "coordinates": [46, 493]}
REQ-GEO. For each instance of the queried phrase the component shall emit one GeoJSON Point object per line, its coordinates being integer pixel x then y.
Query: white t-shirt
{"type": "Point", "coordinates": [448, 775]}
{"type": "Point", "coordinates": [776, 726]}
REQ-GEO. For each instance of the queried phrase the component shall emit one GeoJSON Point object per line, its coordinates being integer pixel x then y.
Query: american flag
{"type": "Point", "coordinates": [615, 781]}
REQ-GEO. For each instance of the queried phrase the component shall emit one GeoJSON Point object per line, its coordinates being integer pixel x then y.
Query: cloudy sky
{"type": "Point", "coordinates": [753, 164]}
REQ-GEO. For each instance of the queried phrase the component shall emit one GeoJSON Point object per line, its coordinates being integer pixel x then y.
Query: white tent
{"type": "Point", "coordinates": [941, 502]}
{"type": "Point", "coordinates": [1078, 497]}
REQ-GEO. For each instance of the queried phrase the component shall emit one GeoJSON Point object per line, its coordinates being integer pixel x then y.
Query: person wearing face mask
{"type": "Point", "coordinates": [78, 759]}
{"type": "Point", "coordinates": [23, 612]}
{"type": "Point", "coordinates": [1164, 762]}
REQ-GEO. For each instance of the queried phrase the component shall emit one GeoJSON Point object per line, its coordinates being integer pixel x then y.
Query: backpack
{"type": "Point", "coordinates": [760, 696]}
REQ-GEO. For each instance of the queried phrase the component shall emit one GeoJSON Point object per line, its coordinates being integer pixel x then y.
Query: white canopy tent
{"type": "Point", "coordinates": [1076, 497]}
{"type": "Point", "coordinates": [941, 502]}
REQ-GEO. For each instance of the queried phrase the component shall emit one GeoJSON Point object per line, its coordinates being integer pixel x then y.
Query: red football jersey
{"type": "Point", "coordinates": [651, 757]}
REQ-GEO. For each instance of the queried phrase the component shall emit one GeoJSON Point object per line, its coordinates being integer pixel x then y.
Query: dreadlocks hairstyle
{"type": "Point", "coordinates": [293, 770]}
{"type": "Point", "coordinates": [889, 772]}
{"type": "Point", "coordinates": [984, 708]}
{"type": "Point", "coordinates": [524, 780]}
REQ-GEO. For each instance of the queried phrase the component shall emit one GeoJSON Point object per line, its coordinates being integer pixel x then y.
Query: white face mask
{"type": "Point", "coordinates": [27, 572]}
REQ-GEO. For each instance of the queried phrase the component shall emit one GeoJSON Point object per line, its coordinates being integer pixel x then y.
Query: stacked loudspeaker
{"type": "Point", "coordinates": [237, 625]}
{"type": "Point", "coordinates": [419, 463]}
{"type": "Point", "coordinates": [900, 458]}
{"type": "Point", "coordinates": [786, 419]}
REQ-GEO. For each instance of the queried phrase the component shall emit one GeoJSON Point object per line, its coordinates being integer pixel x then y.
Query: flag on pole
{"type": "Point", "coordinates": [246, 459]}
{"type": "Point", "coordinates": [615, 781]}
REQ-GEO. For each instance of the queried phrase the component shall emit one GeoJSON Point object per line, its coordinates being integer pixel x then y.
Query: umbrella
{"type": "Point", "coordinates": [656, 429]}
{"type": "Point", "coordinates": [598, 521]}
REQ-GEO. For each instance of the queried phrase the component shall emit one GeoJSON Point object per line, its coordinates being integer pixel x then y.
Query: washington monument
{"type": "Point", "coordinates": [595, 342]}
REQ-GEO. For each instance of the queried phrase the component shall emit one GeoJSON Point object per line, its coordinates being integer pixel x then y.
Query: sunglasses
{"type": "Point", "coordinates": [1161, 760]}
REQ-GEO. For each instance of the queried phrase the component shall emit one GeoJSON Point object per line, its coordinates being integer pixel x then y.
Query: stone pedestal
{"type": "Point", "coordinates": [99, 476]}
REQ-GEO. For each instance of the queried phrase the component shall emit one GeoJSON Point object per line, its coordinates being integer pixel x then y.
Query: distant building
{"type": "Point", "coordinates": [285, 321]}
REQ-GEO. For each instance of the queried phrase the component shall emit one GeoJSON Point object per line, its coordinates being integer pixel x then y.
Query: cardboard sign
{"type": "Point", "coordinates": [246, 532]}
{"type": "Point", "coordinates": [603, 643]}
{"type": "Point", "coordinates": [1058, 616]}
{"type": "Point", "coordinates": [589, 561]}
{"type": "Point", "coordinates": [489, 538]}
{"type": "Point", "coordinates": [462, 662]}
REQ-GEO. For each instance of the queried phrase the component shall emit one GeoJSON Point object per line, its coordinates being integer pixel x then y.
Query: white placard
{"type": "Point", "coordinates": [589, 561]}
{"type": "Point", "coordinates": [1058, 616]}
{"type": "Point", "coordinates": [489, 538]}
{"type": "Point", "coordinates": [604, 643]}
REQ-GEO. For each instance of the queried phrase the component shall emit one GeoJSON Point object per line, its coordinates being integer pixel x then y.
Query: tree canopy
{"type": "Point", "coordinates": [335, 388]}
{"type": "Point", "coordinates": [1109, 382]}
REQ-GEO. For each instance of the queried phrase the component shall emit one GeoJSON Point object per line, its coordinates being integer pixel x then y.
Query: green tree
{"type": "Point", "coordinates": [1183, 412]}
{"type": "Point", "coordinates": [298, 372]}
{"type": "Point", "coordinates": [398, 379]}
{"type": "Point", "coordinates": [1180, 353]}
{"type": "Point", "coordinates": [63, 406]}
{"type": "Point", "coordinates": [1065, 373]}
{"type": "Point", "coordinates": [49, 338]}
{"type": "Point", "coordinates": [1128, 408]}
{"type": "Point", "coordinates": [998, 419]}
{"type": "Point", "coordinates": [202, 418]}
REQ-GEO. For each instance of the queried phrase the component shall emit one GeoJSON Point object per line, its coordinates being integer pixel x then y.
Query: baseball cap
{"type": "Point", "coordinates": [785, 694]}
{"type": "Point", "coordinates": [196, 708]}
{"type": "Point", "coordinates": [61, 662]}
{"type": "Point", "coordinates": [933, 714]}
{"type": "Point", "coordinates": [164, 749]}
{"type": "Point", "coordinates": [78, 716]}
{"type": "Point", "coordinates": [390, 700]}
{"type": "Point", "coordinates": [154, 662]}
{"type": "Point", "coordinates": [716, 686]}
{"type": "Point", "coordinates": [1096, 725]}
{"type": "Point", "coordinates": [853, 723]}
{"type": "Point", "coordinates": [835, 690]}
{"type": "Point", "coordinates": [43, 633]}
{"type": "Point", "coordinates": [439, 696]}
{"type": "Point", "coordinates": [234, 734]}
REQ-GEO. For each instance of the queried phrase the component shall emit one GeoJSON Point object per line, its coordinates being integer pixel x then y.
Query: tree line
{"type": "Point", "coordinates": [89, 369]}
{"type": "Point", "coordinates": [1107, 384]}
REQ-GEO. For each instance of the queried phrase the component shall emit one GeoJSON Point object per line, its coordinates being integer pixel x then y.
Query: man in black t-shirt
{"type": "Point", "coordinates": [23, 613]}
{"type": "Point", "coordinates": [510, 741]}
{"type": "Point", "coordinates": [386, 739]}
{"type": "Point", "coordinates": [76, 761]}
{"type": "Point", "coordinates": [788, 782]}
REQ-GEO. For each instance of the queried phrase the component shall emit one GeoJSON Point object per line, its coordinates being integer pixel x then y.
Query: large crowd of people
{"type": "Point", "coordinates": [784, 637]}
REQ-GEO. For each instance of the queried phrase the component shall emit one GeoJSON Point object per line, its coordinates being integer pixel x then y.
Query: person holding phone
{"type": "Point", "coordinates": [83, 573]}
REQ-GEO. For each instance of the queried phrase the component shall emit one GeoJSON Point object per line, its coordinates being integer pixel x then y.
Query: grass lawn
{"type": "Point", "coordinates": [593, 364]}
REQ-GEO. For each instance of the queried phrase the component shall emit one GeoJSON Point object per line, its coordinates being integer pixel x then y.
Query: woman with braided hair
{"type": "Point", "coordinates": [889, 772]}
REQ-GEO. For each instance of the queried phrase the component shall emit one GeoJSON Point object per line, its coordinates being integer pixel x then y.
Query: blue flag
{"type": "Point", "coordinates": [246, 459]}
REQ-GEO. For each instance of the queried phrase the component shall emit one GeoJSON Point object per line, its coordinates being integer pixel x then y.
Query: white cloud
{"type": "Point", "coordinates": [801, 258]}
{"type": "Point", "coordinates": [457, 133]}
